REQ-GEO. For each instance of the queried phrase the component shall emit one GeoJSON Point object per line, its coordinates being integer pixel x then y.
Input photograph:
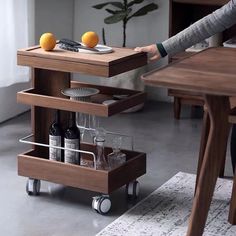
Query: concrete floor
{"type": "Point", "coordinates": [171, 146]}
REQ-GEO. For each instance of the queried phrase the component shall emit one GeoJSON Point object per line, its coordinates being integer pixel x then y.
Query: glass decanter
{"type": "Point", "coordinates": [101, 162]}
{"type": "Point", "coordinates": [93, 126]}
{"type": "Point", "coordinates": [116, 158]}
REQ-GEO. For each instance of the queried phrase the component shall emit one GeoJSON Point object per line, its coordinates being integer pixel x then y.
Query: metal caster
{"type": "Point", "coordinates": [132, 189]}
{"type": "Point", "coordinates": [33, 186]}
{"type": "Point", "coordinates": [101, 204]}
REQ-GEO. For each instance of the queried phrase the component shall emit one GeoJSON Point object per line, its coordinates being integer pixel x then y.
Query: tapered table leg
{"type": "Point", "coordinates": [218, 108]}
{"type": "Point", "coordinates": [204, 137]}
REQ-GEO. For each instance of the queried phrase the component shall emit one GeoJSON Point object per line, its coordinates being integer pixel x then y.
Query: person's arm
{"type": "Point", "coordinates": [216, 22]}
{"type": "Point", "coordinates": [213, 23]}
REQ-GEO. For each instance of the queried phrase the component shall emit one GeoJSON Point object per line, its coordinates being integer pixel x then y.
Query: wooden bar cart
{"type": "Point", "coordinates": [51, 72]}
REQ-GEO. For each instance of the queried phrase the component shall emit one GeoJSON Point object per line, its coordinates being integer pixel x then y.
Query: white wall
{"type": "Point", "coordinates": [140, 31]}
{"type": "Point", "coordinates": [56, 16]}
{"type": "Point", "coordinates": [8, 105]}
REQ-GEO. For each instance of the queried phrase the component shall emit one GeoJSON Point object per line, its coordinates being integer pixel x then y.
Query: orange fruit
{"type": "Point", "coordinates": [47, 41]}
{"type": "Point", "coordinates": [90, 39]}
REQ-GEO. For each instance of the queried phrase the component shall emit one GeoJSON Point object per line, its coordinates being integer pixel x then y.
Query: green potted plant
{"type": "Point", "coordinates": [123, 11]}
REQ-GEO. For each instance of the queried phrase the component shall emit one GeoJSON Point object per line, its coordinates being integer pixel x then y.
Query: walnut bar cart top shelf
{"type": "Point", "coordinates": [106, 65]}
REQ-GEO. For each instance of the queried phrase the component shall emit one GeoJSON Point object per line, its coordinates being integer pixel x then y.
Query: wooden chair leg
{"type": "Point", "coordinates": [232, 210]}
{"type": "Point", "coordinates": [193, 111]}
{"type": "Point", "coordinates": [177, 108]}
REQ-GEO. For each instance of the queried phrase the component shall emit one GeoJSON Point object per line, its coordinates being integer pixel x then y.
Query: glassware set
{"type": "Point", "coordinates": [90, 124]}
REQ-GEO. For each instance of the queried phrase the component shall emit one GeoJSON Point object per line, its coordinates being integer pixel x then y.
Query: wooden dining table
{"type": "Point", "coordinates": [211, 72]}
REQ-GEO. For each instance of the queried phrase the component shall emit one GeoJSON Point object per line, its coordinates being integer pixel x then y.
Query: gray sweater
{"type": "Point", "coordinates": [216, 22]}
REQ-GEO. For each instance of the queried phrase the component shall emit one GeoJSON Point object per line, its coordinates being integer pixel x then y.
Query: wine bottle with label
{"type": "Point", "coordinates": [72, 141]}
{"type": "Point", "coordinates": [55, 138]}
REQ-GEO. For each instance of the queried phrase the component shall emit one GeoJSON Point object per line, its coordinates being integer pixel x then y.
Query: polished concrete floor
{"type": "Point", "coordinates": [171, 146]}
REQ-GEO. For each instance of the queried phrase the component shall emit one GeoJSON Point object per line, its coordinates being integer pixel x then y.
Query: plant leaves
{"type": "Point", "coordinates": [134, 2]}
{"type": "Point", "coordinates": [115, 18]}
{"type": "Point", "coordinates": [144, 10]}
{"type": "Point", "coordinates": [110, 11]}
{"type": "Point", "coordinates": [115, 4]}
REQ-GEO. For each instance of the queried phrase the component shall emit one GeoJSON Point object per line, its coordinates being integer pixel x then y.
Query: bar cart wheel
{"type": "Point", "coordinates": [101, 204]}
{"type": "Point", "coordinates": [33, 186]}
{"type": "Point", "coordinates": [132, 189]}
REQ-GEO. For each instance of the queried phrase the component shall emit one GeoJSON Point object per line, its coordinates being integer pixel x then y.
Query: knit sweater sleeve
{"type": "Point", "coordinates": [213, 23]}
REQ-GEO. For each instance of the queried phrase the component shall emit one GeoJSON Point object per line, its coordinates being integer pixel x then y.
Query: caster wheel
{"type": "Point", "coordinates": [101, 204]}
{"type": "Point", "coordinates": [132, 189]}
{"type": "Point", "coordinates": [33, 186]}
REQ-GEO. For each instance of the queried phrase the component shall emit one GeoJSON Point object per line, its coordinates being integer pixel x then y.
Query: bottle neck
{"type": "Point", "coordinates": [72, 119]}
{"type": "Point", "coordinates": [57, 116]}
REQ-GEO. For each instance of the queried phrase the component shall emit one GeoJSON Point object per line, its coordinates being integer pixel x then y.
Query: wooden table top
{"type": "Point", "coordinates": [203, 2]}
{"type": "Point", "coordinates": [110, 64]}
{"type": "Point", "coordinates": [212, 71]}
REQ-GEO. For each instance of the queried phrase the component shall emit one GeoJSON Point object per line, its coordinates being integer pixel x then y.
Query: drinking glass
{"type": "Point", "coordinates": [93, 125]}
{"type": "Point", "coordinates": [82, 123]}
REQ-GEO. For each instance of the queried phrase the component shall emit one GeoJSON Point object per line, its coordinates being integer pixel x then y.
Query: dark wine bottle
{"type": "Point", "coordinates": [55, 138]}
{"type": "Point", "coordinates": [72, 141]}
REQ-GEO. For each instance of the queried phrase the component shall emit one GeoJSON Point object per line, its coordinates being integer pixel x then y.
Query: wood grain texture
{"type": "Point", "coordinates": [106, 65]}
{"type": "Point", "coordinates": [41, 97]}
{"type": "Point", "coordinates": [58, 172]}
{"type": "Point", "coordinates": [48, 83]}
{"type": "Point", "coordinates": [181, 56]}
{"type": "Point", "coordinates": [203, 143]}
{"type": "Point", "coordinates": [204, 72]}
{"type": "Point", "coordinates": [35, 164]}
{"type": "Point", "coordinates": [218, 108]}
{"type": "Point", "coordinates": [203, 2]}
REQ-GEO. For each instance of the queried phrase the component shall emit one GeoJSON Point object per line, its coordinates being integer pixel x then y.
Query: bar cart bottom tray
{"type": "Point", "coordinates": [36, 165]}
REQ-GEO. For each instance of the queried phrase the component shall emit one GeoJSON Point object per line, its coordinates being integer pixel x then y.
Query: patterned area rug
{"type": "Point", "coordinates": [165, 212]}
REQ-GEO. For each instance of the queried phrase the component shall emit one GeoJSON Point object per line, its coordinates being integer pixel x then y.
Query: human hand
{"type": "Point", "coordinates": [152, 50]}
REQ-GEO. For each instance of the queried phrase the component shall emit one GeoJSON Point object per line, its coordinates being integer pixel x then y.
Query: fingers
{"type": "Point", "coordinates": [154, 58]}
{"type": "Point", "coordinates": [137, 49]}
{"type": "Point", "coordinates": [152, 51]}
{"type": "Point", "coordinates": [143, 49]}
